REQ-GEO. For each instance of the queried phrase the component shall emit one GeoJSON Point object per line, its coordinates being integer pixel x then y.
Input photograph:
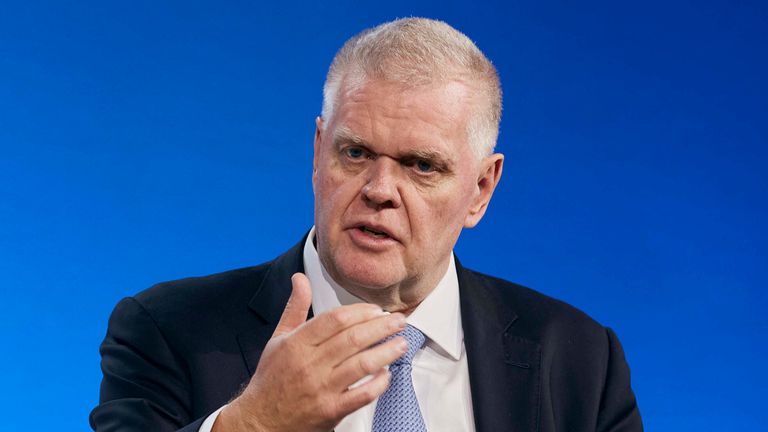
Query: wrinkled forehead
{"type": "Point", "coordinates": [458, 92]}
{"type": "Point", "coordinates": [436, 116]}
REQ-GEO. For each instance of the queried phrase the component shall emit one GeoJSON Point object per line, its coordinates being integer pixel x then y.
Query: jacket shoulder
{"type": "Point", "coordinates": [203, 309]}
{"type": "Point", "coordinates": [537, 313]}
{"type": "Point", "coordinates": [216, 291]}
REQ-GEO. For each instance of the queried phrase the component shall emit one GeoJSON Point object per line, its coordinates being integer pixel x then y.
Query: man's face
{"type": "Point", "coordinates": [395, 181]}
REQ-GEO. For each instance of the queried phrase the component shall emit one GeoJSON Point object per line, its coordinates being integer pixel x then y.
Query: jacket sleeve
{"type": "Point", "coordinates": [145, 385]}
{"type": "Point", "coordinates": [618, 407]}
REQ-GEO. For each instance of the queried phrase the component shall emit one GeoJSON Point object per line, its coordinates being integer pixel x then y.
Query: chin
{"type": "Point", "coordinates": [367, 274]}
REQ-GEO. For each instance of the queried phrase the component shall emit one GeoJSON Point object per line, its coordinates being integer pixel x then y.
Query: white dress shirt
{"type": "Point", "coordinates": [440, 374]}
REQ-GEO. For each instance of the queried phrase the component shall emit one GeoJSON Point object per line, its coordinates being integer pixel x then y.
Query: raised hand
{"type": "Point", "coordinates": [303, 379]}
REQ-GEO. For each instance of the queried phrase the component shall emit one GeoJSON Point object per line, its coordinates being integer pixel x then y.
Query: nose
{"type": "Point", "coordinates": [381, 187]}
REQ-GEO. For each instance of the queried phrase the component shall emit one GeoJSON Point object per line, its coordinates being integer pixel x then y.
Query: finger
{"type": "Point", "coordinates": [297, 308]}
{"type": "Point", "coordinates": [360, 337]}
{"type": "Point", "coordinates": [326, 325]}
{"type": "Point", "coordinates": [367, 363]}
{"type": "Point", "coordinates": [358, 397]}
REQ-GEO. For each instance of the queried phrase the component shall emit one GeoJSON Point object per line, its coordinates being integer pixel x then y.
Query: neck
{"type": "Point", "coordinates": [403, 297]}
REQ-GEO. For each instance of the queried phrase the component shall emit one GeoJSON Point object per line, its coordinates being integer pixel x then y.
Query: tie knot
{"type": "Point", "coordinates": [415, 339]}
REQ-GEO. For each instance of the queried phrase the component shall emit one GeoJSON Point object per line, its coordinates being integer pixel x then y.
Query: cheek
{"type": "Point", "coordinates": [324, 196]}
{"type": "Point", "coordinates": [439, 214]}
{"type": "Point", "coordinates": [443, 214]}
{"type": "Point", "coordinates": [333, 193]}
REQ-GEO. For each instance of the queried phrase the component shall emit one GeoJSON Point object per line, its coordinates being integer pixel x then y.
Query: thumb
{"type": "Point", "coordinates": [297, 308]}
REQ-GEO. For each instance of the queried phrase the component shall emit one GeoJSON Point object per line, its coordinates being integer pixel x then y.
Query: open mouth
{"type": "Point", "coordinates": [377, 234]}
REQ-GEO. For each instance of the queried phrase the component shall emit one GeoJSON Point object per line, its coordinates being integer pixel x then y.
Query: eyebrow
{"type": "Point", "coordinates": [344, 135]}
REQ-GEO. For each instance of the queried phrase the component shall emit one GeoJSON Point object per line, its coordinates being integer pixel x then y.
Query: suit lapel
{"type": "Point", "coordinates": [268, 303]}
{"type": "Point", "coordinates": [504, 368]}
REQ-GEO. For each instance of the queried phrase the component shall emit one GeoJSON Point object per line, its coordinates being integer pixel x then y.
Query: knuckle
{"type": "Point", "coordinates": [353, 338]}
{"type": "Point", "coordinates": [339, 318]}
{"type": "Point", "coordinates": [368, 394]}
{"type": "Point", "coordinates": [288, 346]}
{"type": "Point", "coordinates": [329, 409]}
{"type": "Point", "coordinates": [366, 365]}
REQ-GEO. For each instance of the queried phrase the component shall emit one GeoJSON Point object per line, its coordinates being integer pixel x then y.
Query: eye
{"type": "Point", "coordinates": [354, 152]}
{"type": "Point", "coordinates": [424, 166]}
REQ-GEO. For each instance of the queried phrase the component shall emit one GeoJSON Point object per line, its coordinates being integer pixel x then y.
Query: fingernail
{"type": "Point", "coordinates": [403, 346]}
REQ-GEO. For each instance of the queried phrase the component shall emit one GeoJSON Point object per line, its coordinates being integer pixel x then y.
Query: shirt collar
{"type": "Point", "coordinates": [438, 316]}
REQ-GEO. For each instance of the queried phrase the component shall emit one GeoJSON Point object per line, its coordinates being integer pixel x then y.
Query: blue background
{"type": "Point", "coordinates": [144, 141]}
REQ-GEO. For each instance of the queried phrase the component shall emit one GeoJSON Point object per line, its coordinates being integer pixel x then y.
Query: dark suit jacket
{"type": "Point", "coordinates": [180, 350]}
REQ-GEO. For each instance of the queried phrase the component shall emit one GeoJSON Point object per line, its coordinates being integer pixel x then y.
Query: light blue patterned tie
{"type": "Point", "coordinates": [397, 409]}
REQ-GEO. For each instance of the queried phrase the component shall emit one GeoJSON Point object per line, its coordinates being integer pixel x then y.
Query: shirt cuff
{"type": "Point", "coordinates": [210, 420]}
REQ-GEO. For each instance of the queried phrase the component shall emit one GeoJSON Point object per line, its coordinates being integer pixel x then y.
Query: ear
{"type": "Point", "coordinates": [490, 173]}
{"type": "Point", "coordinates": [318, 139]}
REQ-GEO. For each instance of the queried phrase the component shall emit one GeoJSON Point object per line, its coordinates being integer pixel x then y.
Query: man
{"type": "Point", "coordinates": [401, 337]}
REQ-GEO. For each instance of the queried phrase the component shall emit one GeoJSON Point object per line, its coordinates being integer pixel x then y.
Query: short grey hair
{"type": "Point", "coordinates": [415, 52]}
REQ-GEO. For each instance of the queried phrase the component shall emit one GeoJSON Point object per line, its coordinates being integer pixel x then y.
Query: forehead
{"type": "Point", "coordinates": [433, 117]}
